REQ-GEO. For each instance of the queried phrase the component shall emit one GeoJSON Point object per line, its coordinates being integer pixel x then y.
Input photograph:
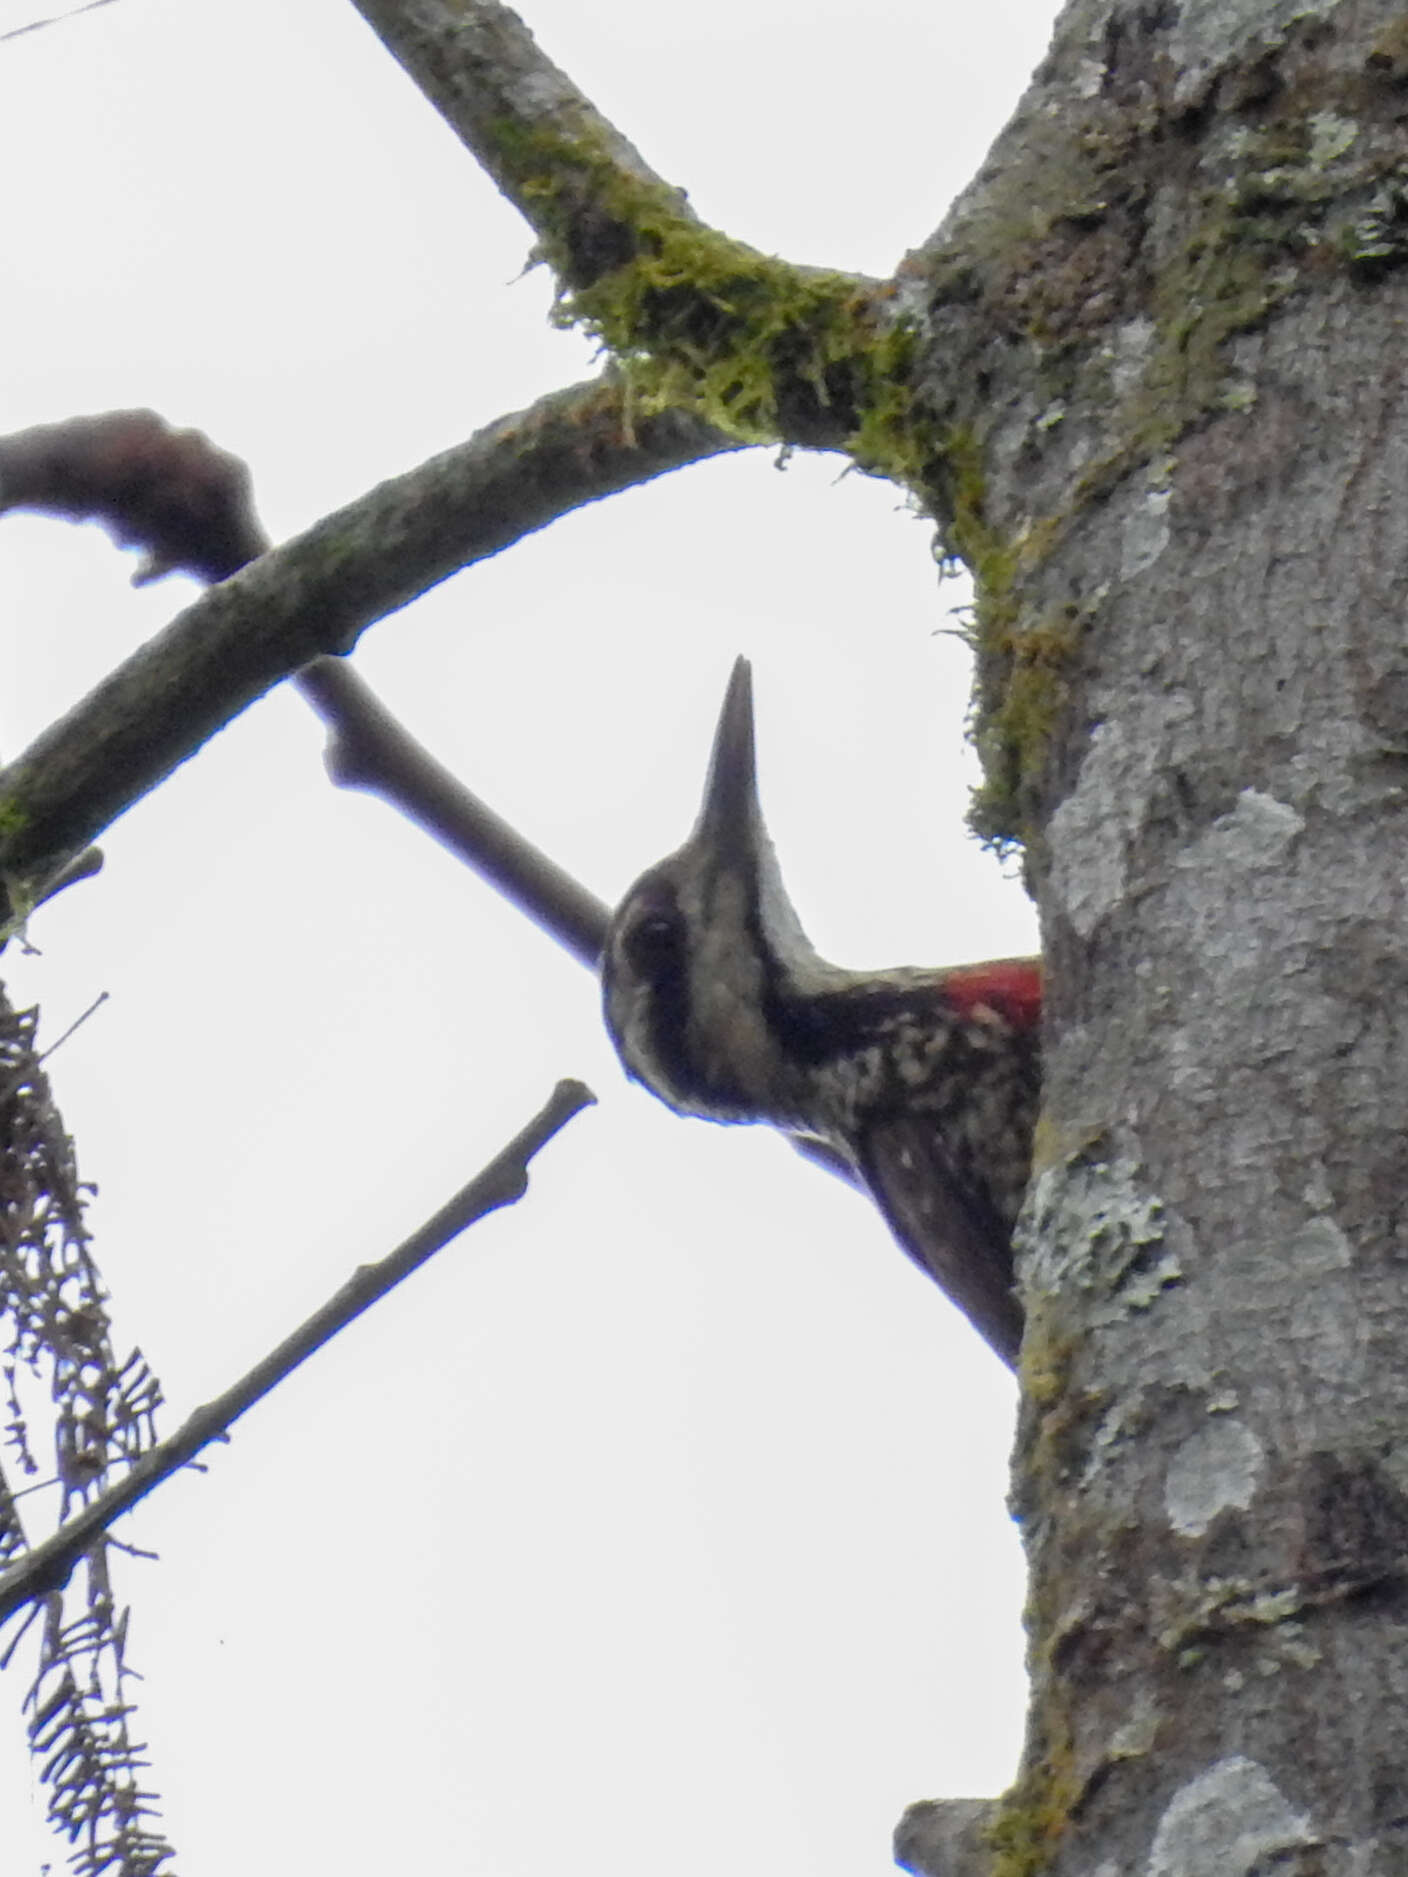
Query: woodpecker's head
{"type": "Point", "coordinates": [705, 945]}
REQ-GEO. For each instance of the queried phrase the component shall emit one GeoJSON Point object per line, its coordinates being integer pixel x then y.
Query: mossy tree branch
{"type": "Point", "coordinates": [551, 153]}
{"type": "Point", "coordinates": [766, 350]}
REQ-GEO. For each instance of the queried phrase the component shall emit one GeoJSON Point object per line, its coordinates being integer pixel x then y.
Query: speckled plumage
{"type": "Point", "coordinates": [925, 1082]}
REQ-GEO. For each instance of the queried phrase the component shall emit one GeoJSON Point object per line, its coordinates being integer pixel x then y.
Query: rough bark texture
{"type": "Point", "coordinates": [1174, 308]}
{"type": "Point", "coordinates": [948, 1837]}
{"type": "Point", "coordinates": [1161, 413]}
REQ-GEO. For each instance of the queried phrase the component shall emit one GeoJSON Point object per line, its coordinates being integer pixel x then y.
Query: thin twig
{"type": "Point", "coordinates": [77, 1024]}
{"type": "Point", "coordinates": [53, 19]}
{"type": "Point", "coordinates": [503, 1181]}
{"type": "Point", "coordinates": [369, 749]}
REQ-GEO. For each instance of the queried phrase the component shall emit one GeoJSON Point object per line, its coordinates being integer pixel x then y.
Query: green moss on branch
{"type": "Point", "coordinates": [766, 351]}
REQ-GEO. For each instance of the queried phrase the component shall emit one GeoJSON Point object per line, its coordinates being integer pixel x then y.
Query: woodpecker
{"type": "Point", "coordinates": [924, 1084]}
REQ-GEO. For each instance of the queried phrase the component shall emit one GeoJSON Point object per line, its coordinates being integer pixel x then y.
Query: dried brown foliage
{"type": "Point", "coordinates": [58, 1343]}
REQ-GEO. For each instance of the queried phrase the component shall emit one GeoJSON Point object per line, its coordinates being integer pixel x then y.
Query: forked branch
{"type": "Point", "coordinates": [767, 350]}
{"type": "Point", "coordinates": [310, 597]}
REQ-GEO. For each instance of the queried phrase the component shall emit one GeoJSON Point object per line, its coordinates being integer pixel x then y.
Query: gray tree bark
{"type": "Point", "coordinates": [1167, 322]}
{"type": "Point", "coordinates": [1161, 413]}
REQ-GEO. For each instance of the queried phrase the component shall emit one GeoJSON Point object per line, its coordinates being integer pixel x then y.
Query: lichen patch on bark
{"type": "Point", "coordinates": [1217, 1468]}
{"type": "Point", "coordinates": [1229, 1821]}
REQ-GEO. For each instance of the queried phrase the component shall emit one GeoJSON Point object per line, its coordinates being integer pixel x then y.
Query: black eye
{"type": "Point", "coordinates": [654, 945]}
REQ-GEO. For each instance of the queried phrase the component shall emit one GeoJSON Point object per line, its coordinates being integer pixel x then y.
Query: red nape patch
{"type": "Point", "coordinates": [1010, 986]}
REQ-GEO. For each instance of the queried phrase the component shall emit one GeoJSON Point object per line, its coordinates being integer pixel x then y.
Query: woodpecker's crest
{"type": "Point", "coordinates": [925, 1082]}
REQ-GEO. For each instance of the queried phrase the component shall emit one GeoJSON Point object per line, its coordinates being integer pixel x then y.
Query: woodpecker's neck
{"type": "Point", "coordinates": [721, 1006]}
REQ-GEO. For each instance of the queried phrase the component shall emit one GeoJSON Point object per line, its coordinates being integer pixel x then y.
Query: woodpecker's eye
{"type": "Point", "coordinates": [654, 945]}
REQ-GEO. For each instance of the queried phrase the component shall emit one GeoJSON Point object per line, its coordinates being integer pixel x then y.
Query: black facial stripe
{"type": "Point", "coordinates": [655, 947]}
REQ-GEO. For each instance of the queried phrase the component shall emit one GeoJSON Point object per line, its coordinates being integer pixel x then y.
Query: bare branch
{"type": "Point", "coordinates": [169, 492]}
{"type": "Point", "coordinates": [186, 504]}
{"type": "Point", "coordinates": [312, 596]}
{"type": "Point", "coordinates": [53, 19]}
{"type": "Point", "coordinates": [368, 749]}
{"type": "Point", "coordinates": [503, 1181]}
{"type": "Point", "coordinates": [548, 148]}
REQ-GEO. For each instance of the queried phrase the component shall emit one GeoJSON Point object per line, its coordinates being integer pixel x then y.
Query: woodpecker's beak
{"type": "Point", "coordinates": [730, 821]}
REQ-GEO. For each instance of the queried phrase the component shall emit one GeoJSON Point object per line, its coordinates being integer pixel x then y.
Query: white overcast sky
{"type": "Point", "coordinates": [659, 1525]}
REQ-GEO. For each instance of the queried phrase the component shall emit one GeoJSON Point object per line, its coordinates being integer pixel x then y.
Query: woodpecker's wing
{"type": "Point", "coordinates": [948, 1155]}
{"type": "Point", "coordinates": [948, 1230]}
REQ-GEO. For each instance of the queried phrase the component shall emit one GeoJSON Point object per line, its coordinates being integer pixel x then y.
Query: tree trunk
{"type": "Point", "coordinates": [1174, 304]}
